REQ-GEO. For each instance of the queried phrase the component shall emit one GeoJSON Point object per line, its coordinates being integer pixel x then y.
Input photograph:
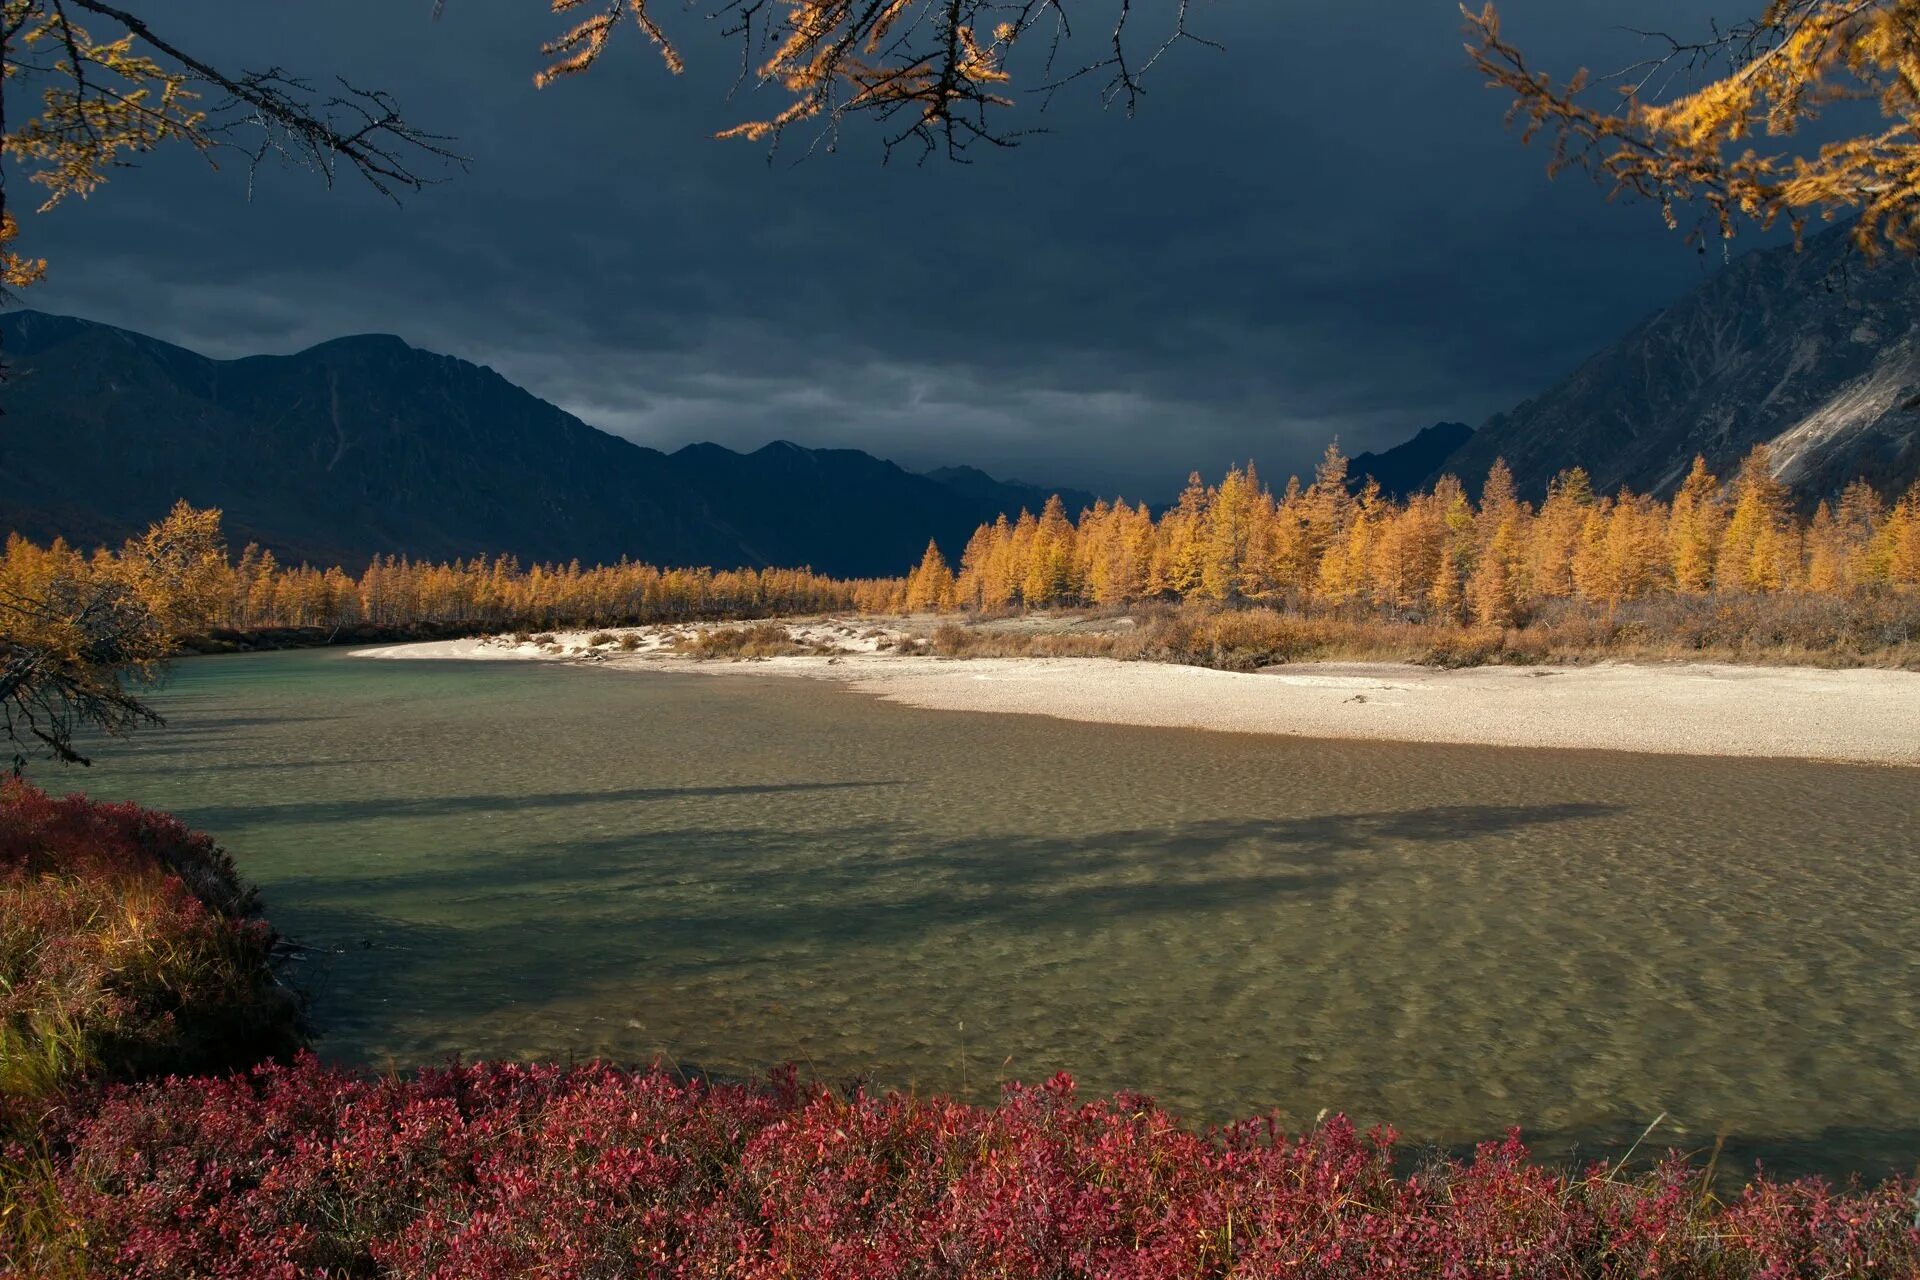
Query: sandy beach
{"type": "Point", "coordinates": [1862, 716]}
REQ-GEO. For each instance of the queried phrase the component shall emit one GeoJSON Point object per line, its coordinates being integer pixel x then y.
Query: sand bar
{"type": "Point", "coordinates": [1863, 716]}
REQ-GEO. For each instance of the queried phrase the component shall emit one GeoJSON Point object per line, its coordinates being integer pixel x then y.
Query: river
{"type": "Point", "coordinates": [538, 861]}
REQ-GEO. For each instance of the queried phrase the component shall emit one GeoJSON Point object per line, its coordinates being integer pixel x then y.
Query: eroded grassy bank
{"type": "Point", "coordinates": [1812, 631]}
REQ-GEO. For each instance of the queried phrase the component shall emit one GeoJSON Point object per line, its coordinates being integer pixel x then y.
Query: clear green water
{"type": "Point", "coordinates": [530, 861]}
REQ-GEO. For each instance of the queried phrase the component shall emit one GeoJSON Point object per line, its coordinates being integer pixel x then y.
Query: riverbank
{"type": "Point", "coordinates": [1857, 715]}
{"type": "Point", "coordinates": [217, 640]}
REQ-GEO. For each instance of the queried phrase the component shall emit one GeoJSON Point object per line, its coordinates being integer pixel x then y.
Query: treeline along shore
{"type": "Point", "coordinates": [1722, 570]}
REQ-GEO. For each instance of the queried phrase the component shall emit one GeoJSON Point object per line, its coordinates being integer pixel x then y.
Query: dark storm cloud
{"type": "Point", "coordinates": [1324, 229]}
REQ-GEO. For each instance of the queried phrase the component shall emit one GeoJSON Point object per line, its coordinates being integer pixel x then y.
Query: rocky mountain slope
{"type": "Point", "coordinates": [1816, 353]}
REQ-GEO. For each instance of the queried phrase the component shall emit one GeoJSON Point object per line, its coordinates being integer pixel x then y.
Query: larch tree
{"type": "Point", "coordinates": [1287, 551]}
{"type": "Point", "coordinates": [998, 585]}
{"type": "Point", "coordinates": [1861, 512]}
{"type": "Point", "coordinates": [1227, 536]}
{"type": "Point", "coordinates": [1344, 576]}
{"type": "Point", "coordinates": [1826, 554]}
{"type": "Point", "coordinates": [930, 588]}
{"type": "Point", "coordinates": [1678, 127]}
{"type": "Point", "coordinates": [1049, 578]}
{"type": "Point", "coordinates": [1182, 557]}
{"type": "Point", "coordinates": [1710, 120]}
{"type": "Point", "coordinates": [1694, 524]}
{"type": "Point", "coordinates": [1500, 539]}
{"type": "Point", "coordinates": [1752, 550]}
{"type": "Point", "coordinates": [1448, 595]}
{"type": "Point", "coordinates": [1896, 546]}
{"type": "Point", "coordinates": [1133, 549]}
{"type": "Point", "coordinates": [1556, 532]}
{"type": "Point", "coordinates": [1326, 507]}
{"type": "Point", "coordinates": [114, 79]}
{"type": "Point", "coordinates": [79, 636]}
{"type": "Point", "coordinates": [934, 73]}
{"type": "Point", "coordinates": [1406, 555]}
{"type": "Point", "coordinates": [1495, 588]}
{"type": "Point", "coordinates": [970, 585]}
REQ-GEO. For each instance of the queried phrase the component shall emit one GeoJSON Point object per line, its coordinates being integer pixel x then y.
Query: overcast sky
{"type": "Point", "coordinates": [1323, 229]}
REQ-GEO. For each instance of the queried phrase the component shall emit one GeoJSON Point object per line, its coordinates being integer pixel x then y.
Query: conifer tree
{"type": "Point", "coordinates": [1695, 525]}
{"type": "Point", "coordinates": [1686, 124]}
{"type": "Point", "coordinates": [930, 587]}
{"type": "Point", "coordinates": [1327, 506]}
{"type": "Point", "coordinates": [1288, 554]}
{"type": "Point", "coordinates": [1751, 550]}
{"type": "Point", "coordinates": [1895, 550]}
{"type": "Point", "coordinates": [1556, 534]}
{"type": "Point", "coordinates": [1827, 567]}
{"type": "Point", "coordinates": [1345, 566]}
{"type": "Point", "coordinates": [1407, 553]}
{"type": "Point", "coordinates": [1449, 592]}
{"type": "Point", "coordinates": [1227, 536]}
{"type": "Point", "coordinates": [1589, 568]}
{"type": "Point", "coordinates": [1049, 580]}
{"type": "Point", "coordinates": [1183, 537]}
{"type": "Point", "coordinates": [1020, 556]}
{"type": "Point", "coordinates": [1491, 590]}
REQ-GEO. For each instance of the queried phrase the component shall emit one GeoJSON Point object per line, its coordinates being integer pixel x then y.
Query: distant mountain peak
{"type": "Point", "coordinates": [384, 343]}
{"type": "Point", "coordinates": [1408, 467]}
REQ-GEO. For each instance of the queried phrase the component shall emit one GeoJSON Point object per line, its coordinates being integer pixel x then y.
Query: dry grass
{"type": "Point", "coordinates": [1793, 630]}
{"type": "Point", "coordinates": [742, 643]}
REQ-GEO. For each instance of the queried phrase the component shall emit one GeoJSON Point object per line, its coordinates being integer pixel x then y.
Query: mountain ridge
{"type": "Point", "coordinates": [365, 445]}
{"type": "Point", "coordinates": [1407, 466]}
{"type": "Point", "coordinates": [1815, 353]}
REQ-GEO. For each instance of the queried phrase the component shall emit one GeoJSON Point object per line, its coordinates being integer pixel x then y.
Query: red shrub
{"type": "Point", "coordinates": [128, 945]}
{"type": "Point", "coordinates": [498, 1171]}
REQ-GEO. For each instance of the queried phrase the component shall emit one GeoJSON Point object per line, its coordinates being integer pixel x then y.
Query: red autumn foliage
{"type": "Point", "coordinates": [128, 945]}
{"type": "Point", "coordinates": [502, 1170]}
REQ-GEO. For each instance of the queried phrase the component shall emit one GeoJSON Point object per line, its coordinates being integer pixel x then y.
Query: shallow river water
{"type": "Point", "coordinates": [535, 861]}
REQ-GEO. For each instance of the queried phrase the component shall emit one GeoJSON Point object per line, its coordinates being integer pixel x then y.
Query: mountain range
{"type": "Point", "coordinates": [366, 446]}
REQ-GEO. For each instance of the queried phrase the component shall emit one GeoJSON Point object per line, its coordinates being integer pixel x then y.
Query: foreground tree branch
{"type": "Point", "coordinates": [80, 636]}
{"type": "Point", "coordinates": [111, 87]}
{"type": "Point", "coordinates": [1682, 124]}
{"type": "Point", "coordinates": [933, 72]}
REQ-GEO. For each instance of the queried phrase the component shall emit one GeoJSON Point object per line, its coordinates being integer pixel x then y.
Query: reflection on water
{"type": "Point", "coordinates": [533, 861]}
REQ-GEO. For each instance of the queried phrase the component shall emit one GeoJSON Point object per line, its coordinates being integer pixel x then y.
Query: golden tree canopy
{"type": "Point", "coordinates": [937, 69]}
{"type": "Point", "coordinates": [1715, 122]}
{"type": "Point", "coordinates": [111, 84]}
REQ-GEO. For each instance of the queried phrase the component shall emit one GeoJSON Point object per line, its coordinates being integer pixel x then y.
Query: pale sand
{"type": "Point", "coordinates": [1866, 716]}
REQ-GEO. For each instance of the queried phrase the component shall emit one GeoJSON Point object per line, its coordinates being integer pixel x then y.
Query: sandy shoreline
{"type": "Point", "coordinates": [1862, 716]}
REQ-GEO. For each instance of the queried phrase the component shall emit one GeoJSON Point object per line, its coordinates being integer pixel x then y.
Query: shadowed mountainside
{"type": "Point", "coordinates": [1406, 468]}
{"type": "Point", "coordinates": [1816, 353]}
{"type": "Point", "coordinates": [365, 446]}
